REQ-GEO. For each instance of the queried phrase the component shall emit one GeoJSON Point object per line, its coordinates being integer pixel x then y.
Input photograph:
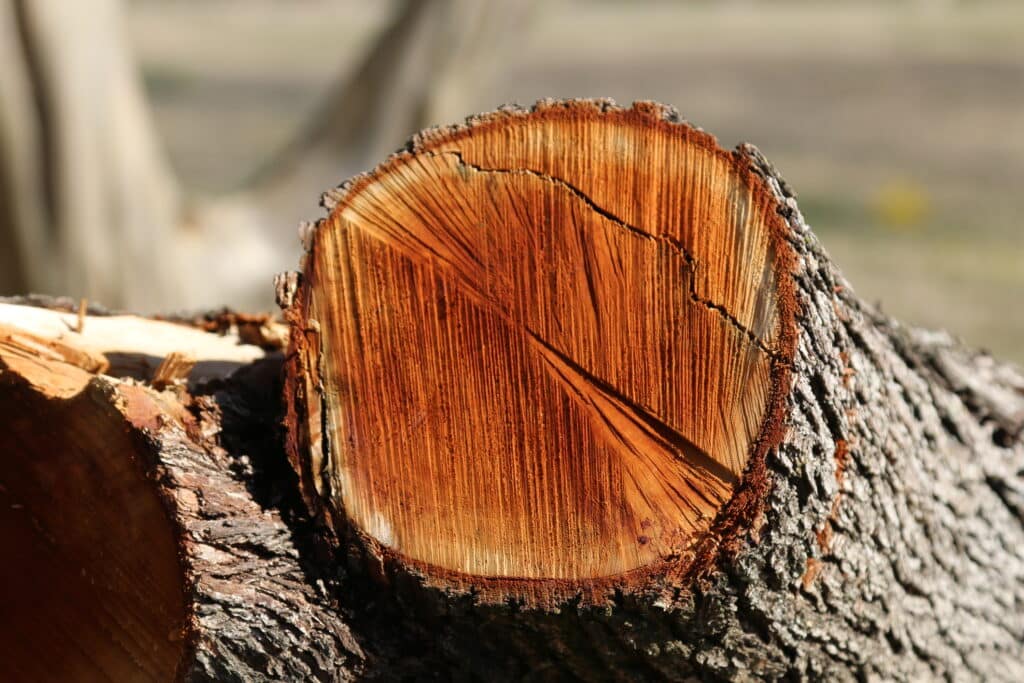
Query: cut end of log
{"type": "Point", "coordinates": [543, 354]}
{"type": "Point", "coordinates": [76, 506]}
{"type": "Point", "coordinates": [99, 569]}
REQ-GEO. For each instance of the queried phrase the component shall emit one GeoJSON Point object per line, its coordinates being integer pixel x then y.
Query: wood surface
{"type": "Point", "coordinates": [548, 344]}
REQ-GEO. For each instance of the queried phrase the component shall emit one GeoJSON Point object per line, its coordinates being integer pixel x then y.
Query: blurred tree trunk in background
{"type": "Point", "coordinates": [420, 72]}
{"type": "Point", "coordinates": [88, 204]}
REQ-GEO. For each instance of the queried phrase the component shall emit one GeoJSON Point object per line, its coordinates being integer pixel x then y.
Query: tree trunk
{"type": "Point", "coordinates": [88, 200]}
{"type": "Point", "coordinates": [570, 393]}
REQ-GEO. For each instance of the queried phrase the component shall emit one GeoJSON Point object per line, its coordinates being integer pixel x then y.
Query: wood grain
{"type": "Point", "coordinates": [94, 587]}
{"type": "Point", "coordinates": [545, 343]}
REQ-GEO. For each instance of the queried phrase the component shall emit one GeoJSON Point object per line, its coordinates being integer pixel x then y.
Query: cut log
{"type": "Point", "coordinates": [547, 366]}
{"type": "Point", "coordinates": [139, 543]}
{"type": "Point", "coordinates": [580, 360]}
{"type": "Point", "coordinates": [570, 393]}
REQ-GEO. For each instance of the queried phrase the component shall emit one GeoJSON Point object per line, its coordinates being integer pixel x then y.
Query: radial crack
{"type": "Point", "coordinates": [653, 428]}
{"type": "Point", "coordinates": [690, 260]}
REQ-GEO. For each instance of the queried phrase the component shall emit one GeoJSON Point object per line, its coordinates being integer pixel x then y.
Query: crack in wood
{"type": "Point", "coordinates": [668, 438]}
{"type": "Point", "coordinates": [688, 257]}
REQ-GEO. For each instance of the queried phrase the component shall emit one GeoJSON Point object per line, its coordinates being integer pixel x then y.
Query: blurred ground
{"type": "Point", "coordinates": [900, 125]}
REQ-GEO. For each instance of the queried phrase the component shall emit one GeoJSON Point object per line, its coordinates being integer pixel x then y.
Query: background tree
{"type": "Point", "coordinates": [88, 203]}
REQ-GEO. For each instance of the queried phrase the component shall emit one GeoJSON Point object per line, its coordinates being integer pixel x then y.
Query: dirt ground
{"type": "Point", "coordinates": [900, 125]}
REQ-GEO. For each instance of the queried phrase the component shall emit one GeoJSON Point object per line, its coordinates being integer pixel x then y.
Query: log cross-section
{"type": "Point", "coordinates": [550, 349]}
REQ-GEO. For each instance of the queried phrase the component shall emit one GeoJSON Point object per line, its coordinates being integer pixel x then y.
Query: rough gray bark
{"type": "Point", "coordinates": [261, 612]}
{"type": "Point", "coordinates": [891, 546]}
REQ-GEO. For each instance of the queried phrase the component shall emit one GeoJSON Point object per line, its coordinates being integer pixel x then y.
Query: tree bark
{"type": "Point", "coordinates": [887, 543]}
